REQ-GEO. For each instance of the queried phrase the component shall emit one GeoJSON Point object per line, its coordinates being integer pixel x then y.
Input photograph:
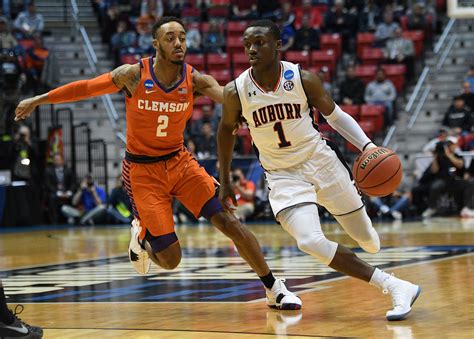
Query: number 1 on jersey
{"type": "Point", "coordinates": [162, 125]}
{"type": "Point", "coordinates": [278, 127]}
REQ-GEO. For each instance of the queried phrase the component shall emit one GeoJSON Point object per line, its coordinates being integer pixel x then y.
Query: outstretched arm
{"type": "Point", "coordinates": [226, 140]}
{"type": "Point", "coordinates": [125, 77]}
{"type": "Point", "coordinates": [206, 85]}
{"type": "Point", "coordinates": [342, 122]}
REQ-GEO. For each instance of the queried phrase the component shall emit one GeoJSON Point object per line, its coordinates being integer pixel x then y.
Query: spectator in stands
{"type": "Point", "coordinates": [287, 14]}
{"type": "Point", "coordinates": [213, 40]}
{"type": "Point", "coordinates": [401, 50]}
{"type": "Point", "coordinates": [11, 81]}
{"type": "Point", "coordinates": [385, 29]}
{"type": "Point", "coordinates": [381, 91]}
{"type": "Point", "coordinates": [470, 77]}
{"type": "Point", "coordinates": [124, 37]}
{"type": "Point", "coordinates": [244, 193]}
{"type": "Point", "coordinates": [351, 90]}
{"type": "Point", "coordinates": [322, 74]}
{"type": "Point", "coordinates": [59, 186]}
{"type": "Point", "coordinates": [268, 9]}
{"type": "Point", "coordinates": [393, 205]}
{"type": "Point", "coordinates": [206, 142]}
{"type": "Point", "coordinates": [193, 39]}
{"type": "Point", "coordinates": [191, 146]}
{"type": "Point", "coordinates": [25, 157]}
{"type": "Point", "coordinates": [153, 7]}
{"type": "Point", "coordinates": [88, 203]}
{"type": "Point", "coordinates": [430, 146]}
{"type": "Point", "coordinates": [369, 17]}
{"type": "Point", "coordinates": [120, 207]}
{"type": "Point", "coordinates": [208, 117]}
{"type": "Point", "coordinates": [417, 17]}
{"type": "Point", "coordinates": [306, 37]}
{"type": "Point", "coordinates": [306, 8]}
{"type": "Point", "coordinates": [444, 175]}
{"type": "Point", "coordinates": [36, 57]}
{"type": "Point", "coordinates": [458, 115]}
{"type": "Point", "coordinates": [110, 22]}
{"type": "Point", "coordinates": [7, 40]}
{"type": "Point", "coordinates": [29, 22]}
{"type": "Point", "coordinates": [145, 39]}
{"type": "Point", "coordinates": [339, 20]}
{"type": "Point", "coordinates": [287, 36]}
{"type": "Point", "coordinates": [468, 95]}
{"type": "Point", "coordinates": [468, 209]}
{"type": "Point", "coordinates": [243, 10]}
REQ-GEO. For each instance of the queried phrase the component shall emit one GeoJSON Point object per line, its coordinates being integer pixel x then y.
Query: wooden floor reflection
{"type": "Point", "coordinates": [77, 283]}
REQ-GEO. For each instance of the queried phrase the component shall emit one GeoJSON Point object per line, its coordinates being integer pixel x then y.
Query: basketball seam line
{"type": "Point", "coordinates": [398, 169]}
{"type": "Point", "coordinates": [376, 166]}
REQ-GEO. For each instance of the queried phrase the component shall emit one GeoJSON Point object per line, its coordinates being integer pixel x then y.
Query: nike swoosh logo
{"type": "Point", "coordinates": [148, 91]}
{"type": "Point", "coordinates": [21, 329]}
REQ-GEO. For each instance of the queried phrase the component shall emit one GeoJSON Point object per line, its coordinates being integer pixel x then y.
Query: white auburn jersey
{"type": "Point", "coordinates": [279, 121]}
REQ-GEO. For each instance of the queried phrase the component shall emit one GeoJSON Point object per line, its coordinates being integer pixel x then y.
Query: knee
{"type": "Point", "coordinates": [170, 263]}
{"type": "Point", "coordinates": [316, 245]}
{"type": "Point", "coordinates": [232, 228]}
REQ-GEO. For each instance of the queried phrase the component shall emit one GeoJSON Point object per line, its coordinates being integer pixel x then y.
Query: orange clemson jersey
{"type": "Point", "coordinates": [156, 117]}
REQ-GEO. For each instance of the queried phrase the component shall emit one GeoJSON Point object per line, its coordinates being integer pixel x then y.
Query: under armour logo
{"type": "Point", "coordinates": [254, 93]}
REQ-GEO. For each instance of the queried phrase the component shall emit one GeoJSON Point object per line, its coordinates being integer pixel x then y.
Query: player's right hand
{"type": "Point", "coordinates": [227, 196]}
{"type": "Point", "coordinates": [24, 108]}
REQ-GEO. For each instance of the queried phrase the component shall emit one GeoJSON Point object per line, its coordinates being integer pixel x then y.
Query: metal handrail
{"type": "Point", "coordinates": [446, 51]}
{"type": "Point", "coordinates": [92, 60]}
{"type": "Point", "coordinates": [445, 33]}
{"type": "Point", "coordinates": [418, 107]}
{"type": "Point", "coordinates": [389, 135]}
{"type": "Point", "coordinates": [418, 85]}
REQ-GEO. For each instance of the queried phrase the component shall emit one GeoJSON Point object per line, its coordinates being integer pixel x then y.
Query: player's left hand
{"type": "Point", "coordinates": [227, 197]}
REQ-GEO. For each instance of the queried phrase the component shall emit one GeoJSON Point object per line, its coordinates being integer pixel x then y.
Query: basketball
{"type": "Point", "coordinates": [377, 172]}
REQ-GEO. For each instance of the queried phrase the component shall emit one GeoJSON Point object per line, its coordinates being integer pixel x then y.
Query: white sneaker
{"type": "Point", "coordinates": [280, 298]}
{"type": "Point", "coordinates": [428, 213]}
{"type": "Point", "coordinates": [403, 294]}
{"type": "Point", "coordinates": [466, 212]}
{"type": "Point", "coordinates": [397, 215]}
{"type": "Point", "coordinates": [137, 255]}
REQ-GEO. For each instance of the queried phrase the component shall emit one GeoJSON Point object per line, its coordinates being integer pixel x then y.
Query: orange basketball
{"type": "Point", "coordinates": [377, 172]}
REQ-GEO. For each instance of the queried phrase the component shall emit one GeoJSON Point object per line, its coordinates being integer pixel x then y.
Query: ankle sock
{"type": "Point", "coordinates": [268, 280]}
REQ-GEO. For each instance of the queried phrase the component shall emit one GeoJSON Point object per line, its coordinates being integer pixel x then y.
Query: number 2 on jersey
{"type": "Point", "coordinates": [278, 127]}
{"type": "Point", "coordinates": [162, 125]}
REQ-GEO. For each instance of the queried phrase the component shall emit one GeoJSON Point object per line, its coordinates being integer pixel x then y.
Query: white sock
{"type": "Point", "coordinates": [378, 277]}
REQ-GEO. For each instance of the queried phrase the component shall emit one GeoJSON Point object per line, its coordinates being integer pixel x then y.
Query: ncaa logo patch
{"type": "Point", "coordinates": [289, 74]}
{"type": "Point", "coordinates": [288, 85]}
{"type": "Point", "coordinates": [148, 84]}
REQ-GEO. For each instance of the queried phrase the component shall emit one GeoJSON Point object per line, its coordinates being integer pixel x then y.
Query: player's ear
{"type": "Point", "coordinates": [278, 45]}
{"type": "Point", "coordinates": [155, 43]}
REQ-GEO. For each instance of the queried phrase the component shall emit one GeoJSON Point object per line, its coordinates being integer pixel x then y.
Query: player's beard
{"type": "Point", "coordinates": [163, 55]}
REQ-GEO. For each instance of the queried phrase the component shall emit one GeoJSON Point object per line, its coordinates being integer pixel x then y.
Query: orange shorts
{"type": "Point", "coordinates": [152, 186]}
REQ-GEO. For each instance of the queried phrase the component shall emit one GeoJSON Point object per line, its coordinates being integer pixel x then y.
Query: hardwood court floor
{"type": "Point", "coordinates": [77, 283]}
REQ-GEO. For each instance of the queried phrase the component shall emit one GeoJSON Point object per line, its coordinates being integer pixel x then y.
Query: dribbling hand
{"type": "Point", "coordinates": [227, 197]}
{"type": "Point", "coordinates": [24, 108]}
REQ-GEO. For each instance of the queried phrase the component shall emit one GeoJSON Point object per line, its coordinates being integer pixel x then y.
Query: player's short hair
{"type": "Point", "coordinates": [272, 27]}
{"type": "Point", "coordinates": [165, 20]}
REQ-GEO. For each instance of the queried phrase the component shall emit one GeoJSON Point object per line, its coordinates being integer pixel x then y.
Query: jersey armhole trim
{"type": "Point", "coordinates": [238, 96]}
{"type": "Point", "coordinates": [310, 106]}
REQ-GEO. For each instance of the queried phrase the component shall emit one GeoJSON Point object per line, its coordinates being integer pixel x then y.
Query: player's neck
{"type": "Point", "coordinates": [268, 78]}
{"type": "Point", "coordinates": [166, 72]}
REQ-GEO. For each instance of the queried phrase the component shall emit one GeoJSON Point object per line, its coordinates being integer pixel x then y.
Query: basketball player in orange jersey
{"type": "Point", "coordinates": [275, 98]}
{"type": "Point", "coordinates": [157, 167]}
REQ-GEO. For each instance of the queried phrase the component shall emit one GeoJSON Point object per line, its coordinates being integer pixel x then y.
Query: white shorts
{"type": "Point", "coordinates": [322, 179]}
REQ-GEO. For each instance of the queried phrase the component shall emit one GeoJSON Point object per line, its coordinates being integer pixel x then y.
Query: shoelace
{"type": "Point", "coordinates": [393, 296]}
{"type": "Point", "coordinates": [18, 309]}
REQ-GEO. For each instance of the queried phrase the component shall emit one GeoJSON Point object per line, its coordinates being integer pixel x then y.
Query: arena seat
{"type": "Point", "coordinates": [222, 76]}
{"type": "Point", "coordinates": [364, 40]}
{"type": "Point", "coordinates": [331, 41]}
{"type": "Point", "coordinates": [236, 28]}
{"type": "Point", "coordinates": [396, 74]}
{"type": "Point", "coordinates": [197, 60]}
{"type": "Point", "coordinates": [373, 113]}
{"type": "Point", "coordinates": [352, 110]}
{"type": "Point", "coordinates": [315, 70]}
{"type": "Point", "coordinates": [372, 56]}
{"type": "Point", "coordinates": [324, 58]}
{"type": "Point", "coordinates": [218, 61]}
{"type": "Point", "coordinates": [298, 57]}
{"type": "Point", "coordinates": [366, 72]}
{"type": "Point", "coordinates": [417, 38]}
{"type": "Point", "coordinates": [234, 45]}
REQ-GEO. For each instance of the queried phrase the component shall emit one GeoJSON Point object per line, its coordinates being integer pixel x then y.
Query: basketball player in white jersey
{"type": "Point", "coordinates": [275, 97]}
